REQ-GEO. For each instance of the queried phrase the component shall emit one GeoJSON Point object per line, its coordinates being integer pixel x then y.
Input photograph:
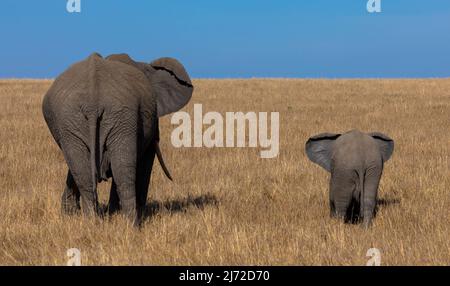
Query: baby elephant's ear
{"type": "Point", "coordinates": [385, 144]}
{"type": "Point", "coordinates": [319, 148]}
{"type": "Point", "coordinates": [171, 84]}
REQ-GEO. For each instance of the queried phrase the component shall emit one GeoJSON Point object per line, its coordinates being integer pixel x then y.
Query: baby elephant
{"type": "Point", "coordinates": [355, 161]}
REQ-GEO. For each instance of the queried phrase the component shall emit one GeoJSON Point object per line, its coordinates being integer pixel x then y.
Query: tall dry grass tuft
{"type": "Point", "coordinates": [228, 206]}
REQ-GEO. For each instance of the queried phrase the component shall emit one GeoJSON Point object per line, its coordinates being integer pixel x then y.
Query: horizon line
{"type": "Point", "coordinates": [269, 78]}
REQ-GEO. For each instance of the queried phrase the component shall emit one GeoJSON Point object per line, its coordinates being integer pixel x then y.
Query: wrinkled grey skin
{"type": "Point", "coordinates": [103, 114]}
{"type": "Point", "coordinates": [355, 161]}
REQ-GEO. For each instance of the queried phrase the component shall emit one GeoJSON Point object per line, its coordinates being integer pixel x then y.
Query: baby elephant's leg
{"type": "Point", "coordinates": [371, 181]}
{"type": "Point", "coordinates": [341, 193]}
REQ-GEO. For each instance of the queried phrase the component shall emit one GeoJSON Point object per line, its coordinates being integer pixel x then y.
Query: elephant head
{"type": "Point", "coordinates": [355, 161]}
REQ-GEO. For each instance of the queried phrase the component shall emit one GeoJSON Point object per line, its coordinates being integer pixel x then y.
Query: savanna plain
{"type": "Point", "coordinates": [228, 206]}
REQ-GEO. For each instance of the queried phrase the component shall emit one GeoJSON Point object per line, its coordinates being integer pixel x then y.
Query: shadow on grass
{"type": "Point", "coordinates": [388, 202]}
{"type": "Point", "coordinates": [179, 205]}
{"type": "Point", "coordinates": [353, 213]}
{"type": "Point", "coordinates": [172, 206]}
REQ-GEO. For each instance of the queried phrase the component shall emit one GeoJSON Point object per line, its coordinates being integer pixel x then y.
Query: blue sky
{"type": "Point", "coordinates": [247, 38]}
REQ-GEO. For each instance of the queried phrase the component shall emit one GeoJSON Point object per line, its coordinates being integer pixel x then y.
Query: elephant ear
{"type": "Point", "coordinates": [171, 84]}
{"type": "Point", "coordinates": [319, 149]}
{"type": "Point", "coordinates": [385, 144]}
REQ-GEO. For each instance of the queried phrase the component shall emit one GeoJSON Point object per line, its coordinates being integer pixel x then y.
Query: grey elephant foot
{"type": "Point", "coordinates": [70, 207]}
{"type": "Point", "coordinates": [333, 214]}
{"type": "Point", "coordinates": [91, 209]}
{"type": "Point", "coordinates": [367, 223]}
{"type": "Point", "coordinates": [137, 223]}
{"type": "Point", "coordinates": [70, 210]}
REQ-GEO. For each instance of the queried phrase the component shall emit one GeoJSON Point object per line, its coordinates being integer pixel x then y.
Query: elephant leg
{"type": "Point", "coordinates": [123, 166]}
{"type": "Point", "coordinates": [114, 203]}
{"type": "Point", "coordinates": [371, 181]}
{"type": "Point", "coordinates": [143, 180]}
{"type": "Point", "coordinates": [341, 186]}
{"type": "Point", "coordinates": [354, 210]}
{"type": "Point", "coordinates": [77, 157]}
{"type": "Point", "coordinates": [70, 200]}
{"type": "Point", "coordinates": [342, 205]}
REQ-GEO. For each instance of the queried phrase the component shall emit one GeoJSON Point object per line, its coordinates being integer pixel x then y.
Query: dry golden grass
{"type": "Point", "coordinates": [228, 206]}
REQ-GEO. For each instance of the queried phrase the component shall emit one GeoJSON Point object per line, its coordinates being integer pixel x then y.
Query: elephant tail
{"type": "Point", "coordinates": [93, 148]}
{"type": "Point", "coordinates": [161, 161]}
{"type": "Point", "coordinates": [93, 117]}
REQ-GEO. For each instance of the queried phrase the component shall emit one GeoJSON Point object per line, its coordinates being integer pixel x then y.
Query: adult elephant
{"type": "Point", "coordinates": [355, 160]}
{"type": "Point", "coordinates": [103, 114]}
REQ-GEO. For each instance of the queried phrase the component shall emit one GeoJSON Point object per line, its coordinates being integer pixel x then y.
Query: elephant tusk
{"type": "Point", "coordinates": [161, 162]}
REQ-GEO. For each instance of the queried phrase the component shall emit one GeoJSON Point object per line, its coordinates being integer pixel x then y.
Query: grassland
{"type": "Point", "coordinates": [227, 206]}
